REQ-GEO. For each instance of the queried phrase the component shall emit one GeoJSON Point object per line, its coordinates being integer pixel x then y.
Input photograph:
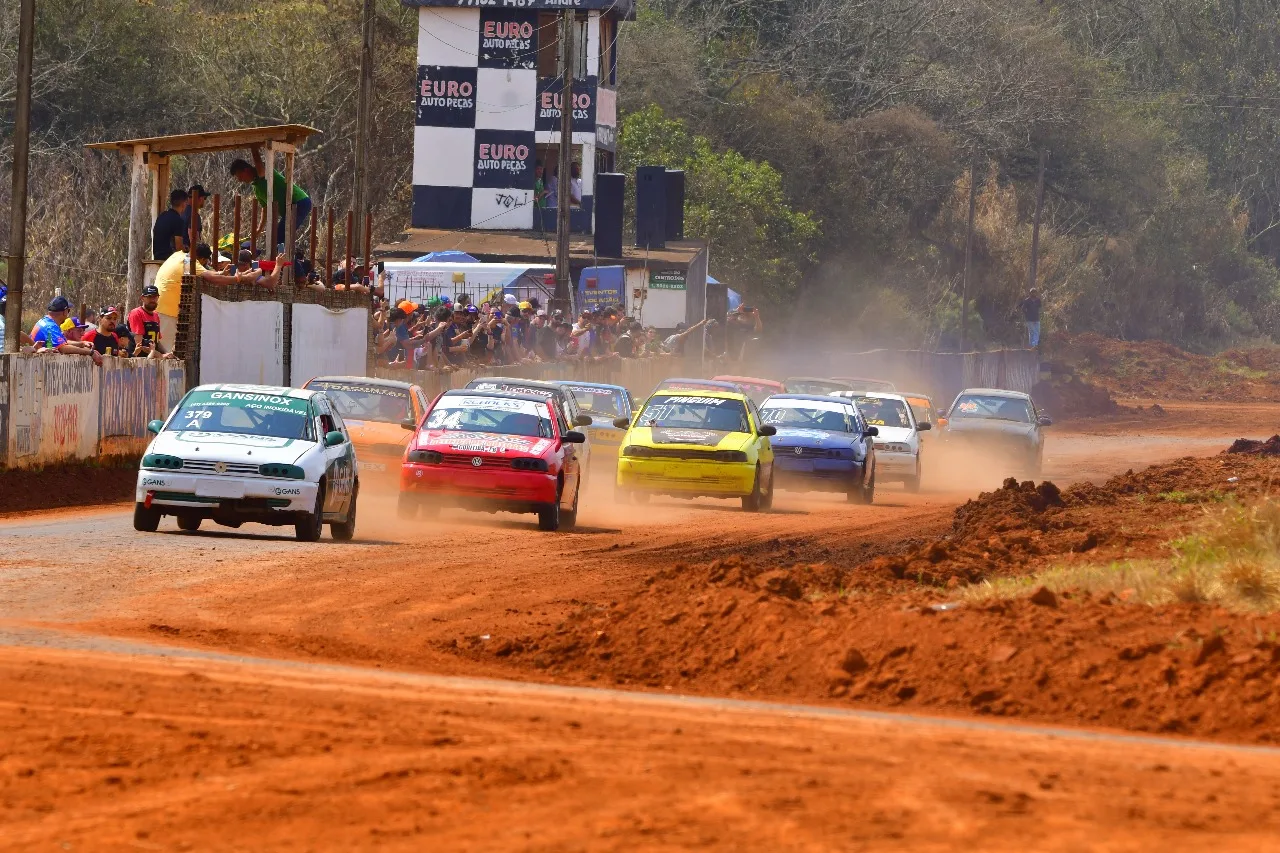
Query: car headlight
{"type": "Point", "coordinates": [636, 450]}
{"type": "Point", "coordinates": [730, 456]}
{"type": "Point", "coordinates": [425, 457]}
{"type": "Point", "coordinates": [284, 472]}
{"type": "Point", "coordinates": [161, 460]}
{"type": "Point", "coordinates": [529, 464]}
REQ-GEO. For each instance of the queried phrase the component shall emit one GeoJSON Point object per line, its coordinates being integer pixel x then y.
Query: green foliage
{"type": "Point", "coordinates": [759, 242]}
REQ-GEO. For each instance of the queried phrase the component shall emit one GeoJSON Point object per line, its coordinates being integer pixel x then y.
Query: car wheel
{"type": "Point", "coordinates": [754, 501]}
{"type": "Point", "coordinates": [912, 484]}
{"type": "Point", "coordinates": [549, 516]}
{"type": "Point", "coordinates": [863, 492]}
{"type": "Point", "coordinates": [569, 520]}
{"type": "Point", "coordinates": [309, 527]}
{"type": "Point", "coordinates": [407, 507]}
{"type": "Point", "coordinates": [640, 497]}
{"type": "Point", "coordinates": [189, 522]}
{"type": "Point", "coordinates": [145, 519]}
{"type": "Point", "coordinates": [766, 500]}
{"type": "Point", "coordinates": [345, 531]}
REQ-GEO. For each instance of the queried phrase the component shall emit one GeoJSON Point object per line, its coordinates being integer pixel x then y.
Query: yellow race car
{"type": "Point", "coordinates": [697, 443]}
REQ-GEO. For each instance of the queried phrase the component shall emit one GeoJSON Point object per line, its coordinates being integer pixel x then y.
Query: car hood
{"type": "Point", "coordinates": [800, 437]}
{"type": "Point", "coordinates": [710, 439]}
{"type": "Point", "coordinates": [989, 427]}
{"type": "Point", "coordinates": [483, 443]}
{"type": "Point", "coordinates": [376, 432]}
{"type": "Point", "coordinates": [229, 447]}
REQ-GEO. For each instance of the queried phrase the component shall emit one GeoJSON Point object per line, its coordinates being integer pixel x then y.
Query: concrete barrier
{"type": "Point", "coordinates": [58, 408]}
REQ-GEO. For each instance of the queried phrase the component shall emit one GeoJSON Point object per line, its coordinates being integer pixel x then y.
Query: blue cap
{"type": "Point", "coordinates": [59, 303]}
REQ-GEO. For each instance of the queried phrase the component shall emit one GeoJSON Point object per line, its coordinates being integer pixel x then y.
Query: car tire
{"type": "Point", "coordinates": [345, 531]}
{"type": "Point", "coordinates": [145, 519]}
{"type": "Point", "coordinates": [569, 519]}
{"type": "Point", "coordinates": [640, 497]}
{"type": "Point", "coordinates": [189, 523]}
{"type": "Point", "coordinates": [912, 484]}
{"type": "Point", "coordinates": [863, 492]}
{"type": "Point", "coordinates": [549, 517]}
{"type": "Point", "coordinates": [754, 502]}
{"type": "Point", "coordinates": [309, 527]}
{"type": "Point", "coordinates": [766, 500]}
{"type": "Point", "coordinates": [407, 507]}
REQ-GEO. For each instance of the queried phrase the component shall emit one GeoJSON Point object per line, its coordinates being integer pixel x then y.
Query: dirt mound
{"type": "Point", "coordinates": [1270, 447]}
{"type": "Point", "coordinates": [1072, 397]}
{"type": "Point", "coordinates": [732, 628]}
{"type": "Point", "coordinates": [25, 490]}
{"type": "Point", "coordinates": [1154, 369]}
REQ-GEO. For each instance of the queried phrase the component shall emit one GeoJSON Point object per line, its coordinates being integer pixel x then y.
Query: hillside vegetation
{"type": "Point", "coordinates": [828, 145]}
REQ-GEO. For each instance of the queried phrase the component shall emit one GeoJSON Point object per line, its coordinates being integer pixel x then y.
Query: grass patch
{"type": "Point", "coordinates": [1233, 560]}
{"type": "Point", "coordinates": [1180, 497]}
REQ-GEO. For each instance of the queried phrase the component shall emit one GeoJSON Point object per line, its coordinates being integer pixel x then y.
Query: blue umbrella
{"type": "Point", "coordinates": [449, 256]}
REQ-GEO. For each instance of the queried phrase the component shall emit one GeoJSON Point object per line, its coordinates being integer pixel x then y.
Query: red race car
{"type": "Point", "coordinates": [493, 451]}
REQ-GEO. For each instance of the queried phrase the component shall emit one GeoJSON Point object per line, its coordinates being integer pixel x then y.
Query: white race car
{"type": "Point", "coordinates": [237, 453]}
{"type": "Point", "coordinates": [898, 444]}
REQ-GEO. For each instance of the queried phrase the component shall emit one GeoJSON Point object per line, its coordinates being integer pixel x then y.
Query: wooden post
{"type": "Point", "coordinates": [139, 225]}
{"type": "Point", "coordinates": [160, 193]}
{"type": "Point", "coordinates": [311, 241]}
{"type": "Point", "coordinates": [328, 253]}
{"type": "Point", "coordinates": [568, 37]}
{"type": "Point", "coordinates": [269, 161]}
{"type": "Point", "coordinates": [253, 228]}
{"type": "Point", "coordinates": [288, 278]}
{"type": "Point", "coordinates": [368, 244]}
{"type": "Point", "coordinates": [217, 226]}
{"type": "Point", "coordinates": [1035, 228]}
{"type": "Point", "coordinates": [351, 227]}
{"type": "Point", "coordinates": [235, 229]}
{"type": "Point", "coordinates": [193, 236]}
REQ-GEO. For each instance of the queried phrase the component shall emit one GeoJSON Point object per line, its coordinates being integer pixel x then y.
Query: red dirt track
{"type": "Point", "coordinates": [819, 602]}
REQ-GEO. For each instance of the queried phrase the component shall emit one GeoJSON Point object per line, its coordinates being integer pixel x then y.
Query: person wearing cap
{"type": "Point", "coordinates": [169, 235]}
{"type": "Point", "coordinates": [674, 344]}
{"type": "Point", "coordinates": [103, 337]}
{"type": "Point", "coordinates": [196, 197]}
{"type": "Point", "coordinates": [144, 324]}
{"type": "Point", "coordinates": [47, 333]}
{"type": "Point", "coordinates": [169, 283]}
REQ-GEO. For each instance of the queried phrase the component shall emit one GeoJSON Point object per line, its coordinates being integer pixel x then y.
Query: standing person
{"type": "Point", "coordinates": [195, 200]}
{"type": "Point", "coordinates": [1030, 308]}
{"type": "Point", "coordinates": [575, 184]}
{"type": "Point", "coordinates": [144, 324]}
{"type": "Point", "coordinates": [103, 337]}
{"type": "Point", "coordinates": [169, 234]}
{"type": "Point", "coordinates": [169, 285]}
{"type": "Point", "coordinates": [253, 176]}
{"type": "Point", "coordinates": [48, 332]}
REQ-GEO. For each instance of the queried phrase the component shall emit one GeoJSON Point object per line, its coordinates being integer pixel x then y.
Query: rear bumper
{"type": "Point", "coordinates": [691, 479]}
{"type": "Point", "coordinates": [449, 486]}
{"type": "Point", "coordinates": [896, 464]}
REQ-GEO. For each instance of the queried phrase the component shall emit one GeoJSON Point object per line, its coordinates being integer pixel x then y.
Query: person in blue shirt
{"type": "Point", "coordinates": [48, 332]}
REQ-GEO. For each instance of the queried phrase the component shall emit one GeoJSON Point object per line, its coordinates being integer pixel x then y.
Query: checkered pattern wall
{"type": "Point", "coordinates": [482, 111]}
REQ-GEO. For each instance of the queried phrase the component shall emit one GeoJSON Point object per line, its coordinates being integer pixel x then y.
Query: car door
{"type": "Point", "coordinates": [339, 460]}
{"type": "Point", "coordinates": [571, 462]}
{"type": "Point", "coordinates": [764, 449]}
{"type": "Point", "coordinates": [581, 452]}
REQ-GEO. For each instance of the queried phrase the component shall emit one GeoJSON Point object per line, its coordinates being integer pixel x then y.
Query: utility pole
{"type": "Point", "coordinates": [21, 148]}
{"type": "Point", "coordinates": [364, 109]}
{"type": "Point", "coordinates": [1035, 228]}
{"type": "Point", "coordinates": [563, 283]}
{"type": "Point", "coordinates": [968, 254]}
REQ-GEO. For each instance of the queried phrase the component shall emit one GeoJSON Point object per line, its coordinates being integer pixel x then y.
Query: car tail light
{"type": "Point", "coordinates": [424, 457]}
{"type": "Point", "coordinates": [529, 464]}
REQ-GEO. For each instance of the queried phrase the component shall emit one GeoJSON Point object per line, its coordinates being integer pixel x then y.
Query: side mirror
{"type": "Point", "coordinates": [409, 424]}
{"type": "Point", "coordinates": [871, 432]}
{"type": "Point", "coordinates": [333, 438]}
{"type": "Point", "coordinates": [768, 429]}
{"type": "Point", "coordinates": [925, 427]}
{"type": "Point", "coordinates": [154, 427]}
{"type": "Point", "coordinates": [574, 437]}
{"type": "Point", "coordinates": [622, 423]}
{"type": "Point", "coordinates": [583, 420]}
{"type": "Point", "coordinates": [1045, 420]}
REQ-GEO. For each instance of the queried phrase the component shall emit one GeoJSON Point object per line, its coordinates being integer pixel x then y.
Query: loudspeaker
{"type": "Point", "coordinates": [675, 204]}
{"type": "Point", "coordinates": [651, 207]}
{"type": "Point", "coordinates": [610, 193]}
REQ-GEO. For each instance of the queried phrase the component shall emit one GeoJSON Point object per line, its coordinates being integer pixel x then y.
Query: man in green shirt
{"type": "Point", "coordinates": [252, 175]}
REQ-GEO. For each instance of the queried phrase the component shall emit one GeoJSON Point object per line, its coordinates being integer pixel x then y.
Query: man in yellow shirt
{"type": "Point", "coordinates": [169, 283]}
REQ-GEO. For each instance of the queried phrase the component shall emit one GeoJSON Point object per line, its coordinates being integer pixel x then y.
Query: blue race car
{"type": "Point", "coordinates": [603, 404]}
{"type": "Point", "coordinates": [822, 444]}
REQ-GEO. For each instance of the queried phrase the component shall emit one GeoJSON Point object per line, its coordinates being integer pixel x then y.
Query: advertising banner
{"type": "Point", "coordinates": [508, 39]}
{"type": "Point", "coordinates": [446, 96]}
{"type": "Point", "coordinates": [67, 414]}
{"type": "Point", "coordinates": [600, 286]}
{"type": "Point", "coordinates": [504, 159]}
{"type": "Point", "coordinates": [551, 99]}
{"type": "Point", "coordinates": [328, 343]}
{"type": "Point", "coordinates": [667, 280]}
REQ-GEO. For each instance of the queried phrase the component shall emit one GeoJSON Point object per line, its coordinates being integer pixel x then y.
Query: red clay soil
{"type": "Point", "coordinates": [25, 490]}
{"type": "Point", "coordinates": [871, 635]}
{"type": "Point", "coordinates": [1270, 447]}
{"type": "Point", "coordinates": [1158, 370]}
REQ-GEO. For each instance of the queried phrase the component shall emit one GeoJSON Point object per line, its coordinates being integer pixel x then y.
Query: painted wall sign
{"type": "Point", "coordinates": [508, 39]}
{"type": "Point", "coordinates": [446, 96]}
{"type": "Point", "coordinates": [551, 99]}
{"type": "Point", "coordinates": [625, 9]}
{"type": "Point", "coordinates": [667, 280]}
{"type": "Point", "coordinates": [504, 159]}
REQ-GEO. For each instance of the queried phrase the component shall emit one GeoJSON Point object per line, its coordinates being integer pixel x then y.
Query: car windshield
{"type": "Point", "coordinates": [992, 408]}
{"type": "Point", "coordinates": [865, 385]}
{"type": "Point", "coordinates": [598, 402]}
{"type": "Point", "coordinates": [498, 415]}
{"type": "Point", "coordinates": [243, 413]}
{"type": "Point", "coordinates": [815, 386]}
{"type": "Point", "coordinates": [356, 402]}
{"type": "Point", "coordinates": [883, 413]}
{"type": "Point", "coordinates": [692, 412]}
{"type": "Point", "coordinates": [807, 414]}
{"type": "Point", "coordinates": [921, 409]}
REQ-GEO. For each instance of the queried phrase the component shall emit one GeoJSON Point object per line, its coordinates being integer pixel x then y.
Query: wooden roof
{"type": "Point", "coordinates": [531, 247]}
{"type": "Point", "coordinates": [213, 140]}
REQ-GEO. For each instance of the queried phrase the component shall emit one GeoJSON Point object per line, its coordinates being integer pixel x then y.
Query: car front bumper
{"type": "Point", "coordinates": [691, 479]}
{"type": "Point", "coordinates": [810, 475]}
{"type": "Point", "coordinates": [452, 486]}
{"type": "Point", "coordinates": [220, 493]}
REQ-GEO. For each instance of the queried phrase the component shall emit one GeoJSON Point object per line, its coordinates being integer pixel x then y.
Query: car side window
{"type": "Point", "coordinates": [557, 413]}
